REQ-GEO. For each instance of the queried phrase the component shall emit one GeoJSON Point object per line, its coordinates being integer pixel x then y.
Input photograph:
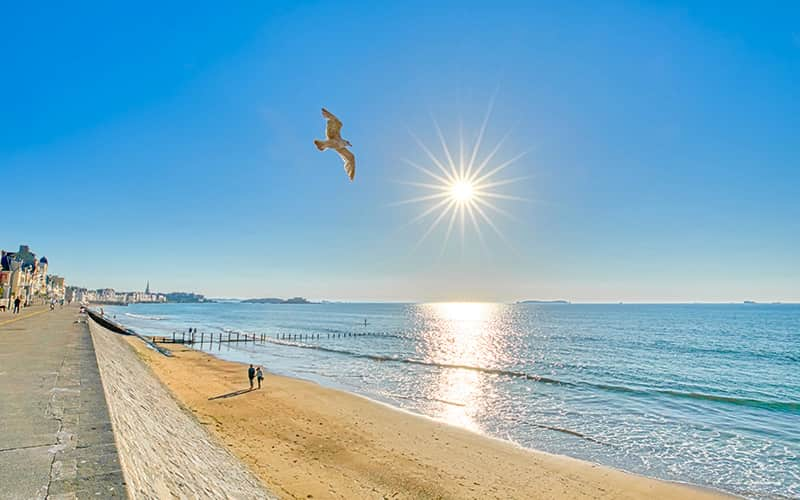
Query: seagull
{"type": "Point", "coordinates": [334, 141]}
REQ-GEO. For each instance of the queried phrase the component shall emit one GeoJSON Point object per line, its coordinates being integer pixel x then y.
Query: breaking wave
{"type": "Point", "coordinates": [141, 316]}
{"type": "Point", "coordinates": [785, 406]}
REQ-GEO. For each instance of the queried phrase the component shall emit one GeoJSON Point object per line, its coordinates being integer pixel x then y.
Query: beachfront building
{"type": "Point", "coordinates": [23, 275]}
{"type": "Point", "coordinates": [71, 294]}
{"type": "Point", "coordinates": [80, 295]}
{"type": "Point", "coordinates": [10, 277]}
{"type": "Point", "coordinates": [41, 276]}
{"type": "Point", "coordinates": [146, 296]}
{"type": "Point", "coordinates": [56, 287]}
{"type": "Point", "coordinates": [111, 296]}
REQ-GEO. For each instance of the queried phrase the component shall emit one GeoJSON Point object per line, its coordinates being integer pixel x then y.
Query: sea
{"type": "Point", "coordinates": [695, 393]}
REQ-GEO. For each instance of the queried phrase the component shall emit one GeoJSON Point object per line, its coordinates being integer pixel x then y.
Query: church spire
{"type": "Point", "coordinates": [147, 290]}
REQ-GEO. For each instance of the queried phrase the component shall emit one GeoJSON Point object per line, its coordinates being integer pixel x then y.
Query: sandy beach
{"type": "Point", "coordinates": [306, 441]}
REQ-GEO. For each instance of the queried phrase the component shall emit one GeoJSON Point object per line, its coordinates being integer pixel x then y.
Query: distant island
{"type": "Point", "coordinates": [186, 298]}
{"type": "Point", "coordinates": [273, 300]}
{"type": "Point", "coordinates": [543, 302]}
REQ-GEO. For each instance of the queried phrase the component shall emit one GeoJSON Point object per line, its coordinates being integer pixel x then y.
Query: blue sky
{"type": "Point", "coordinates": [173, 143]}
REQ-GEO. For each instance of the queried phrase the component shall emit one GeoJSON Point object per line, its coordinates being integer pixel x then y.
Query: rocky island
{"type": "Point", "coordinates": [272, 300]}
{"type": "Point", "coordinates": [543, 302]}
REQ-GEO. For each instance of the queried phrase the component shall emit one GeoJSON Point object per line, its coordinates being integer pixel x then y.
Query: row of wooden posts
{"type": "Point", "coordinates": [220, 338]}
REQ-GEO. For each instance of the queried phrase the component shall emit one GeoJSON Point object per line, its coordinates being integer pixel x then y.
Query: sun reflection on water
{"type": "Point", "coordinates": [462, 334]}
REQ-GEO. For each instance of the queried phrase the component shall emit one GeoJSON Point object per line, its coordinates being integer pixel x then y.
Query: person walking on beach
{"type": "Point", "coordinates": [16, 305]}
{"type": "Point", "coordinates": [251, 373]}
{"type": "Point", "coordinates": [260, 376]}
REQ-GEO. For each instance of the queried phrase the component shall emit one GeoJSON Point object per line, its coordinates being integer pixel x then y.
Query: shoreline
{"type": "Point", "coordinates": [499, 440]}
{"type": "Point", "coordinates": [483, 466]}
{"type": "Point", "coordinates": [508, 442]}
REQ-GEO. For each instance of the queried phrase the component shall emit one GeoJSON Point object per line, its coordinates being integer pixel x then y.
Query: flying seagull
{"type": "Point", "coordinates": [334, 141]}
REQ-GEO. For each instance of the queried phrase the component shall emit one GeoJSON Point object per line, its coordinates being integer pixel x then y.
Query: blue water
{"type": "Point", "coordinates": [705, 394]}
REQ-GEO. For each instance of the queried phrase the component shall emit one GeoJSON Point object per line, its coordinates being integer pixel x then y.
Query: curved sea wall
{"type": "Point", "coordinates": [164, 451]}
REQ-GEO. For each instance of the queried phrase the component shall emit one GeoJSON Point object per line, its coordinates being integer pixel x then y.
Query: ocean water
{"type": "Point", "coordinates": [704, 394]}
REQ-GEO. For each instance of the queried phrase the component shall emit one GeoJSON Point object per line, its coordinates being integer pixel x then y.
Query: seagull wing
{"type": "Point", "coordinates": [349, 161]}
{"type": "Point", "coordinates": [334, 125]}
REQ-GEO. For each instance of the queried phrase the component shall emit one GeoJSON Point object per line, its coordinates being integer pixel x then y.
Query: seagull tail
{"type": "Point", "coordinates": [319, 144]}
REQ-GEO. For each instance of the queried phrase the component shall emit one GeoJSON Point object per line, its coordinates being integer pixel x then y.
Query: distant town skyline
{"type": "Point", "coordinates": [131, 294]}
{"type": "Point", "coordinates": [661, 139]}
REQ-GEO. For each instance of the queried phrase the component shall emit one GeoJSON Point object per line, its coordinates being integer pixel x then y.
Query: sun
{"type": "Point", "coordinates": [462, 189]}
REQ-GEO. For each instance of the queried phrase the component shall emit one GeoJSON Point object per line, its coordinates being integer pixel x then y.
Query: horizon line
{"type": "Point", "coordinates": [532, 301]}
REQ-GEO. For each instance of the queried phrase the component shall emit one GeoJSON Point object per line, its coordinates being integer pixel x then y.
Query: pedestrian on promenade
{"type": "Point", "coordinates": [260, 376]}
{"type": "Point", "coordinates": [16, 305]}
{"type": "Point", "coordinates": [52, 304]}
{"type": "Point", "coordinates": [251, 373]}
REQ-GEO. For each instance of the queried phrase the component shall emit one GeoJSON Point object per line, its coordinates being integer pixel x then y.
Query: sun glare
{"type": "Point", "coordinates": [463, 189]}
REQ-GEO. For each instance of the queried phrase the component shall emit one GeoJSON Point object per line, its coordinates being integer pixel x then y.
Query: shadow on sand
{"type": "Point", "coordinates": [231, 394]}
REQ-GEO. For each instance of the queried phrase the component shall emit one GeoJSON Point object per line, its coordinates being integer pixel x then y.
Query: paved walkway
{"type": "Point", "coordinates": [56, 439]}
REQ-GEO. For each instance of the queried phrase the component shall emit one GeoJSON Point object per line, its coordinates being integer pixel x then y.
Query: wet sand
{"type": "Point", "coordinates": [307, 441]}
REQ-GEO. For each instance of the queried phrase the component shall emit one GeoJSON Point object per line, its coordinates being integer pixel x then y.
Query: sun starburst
{"type": "Point", "coordinates": [461, 190]}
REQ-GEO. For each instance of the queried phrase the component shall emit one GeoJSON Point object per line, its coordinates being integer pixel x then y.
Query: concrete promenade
{"type": "Point", "coordinates": [56, 439]}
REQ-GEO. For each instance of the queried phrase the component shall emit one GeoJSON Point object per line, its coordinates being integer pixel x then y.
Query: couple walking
{"type": "Point", "coordinates": [255, 373]}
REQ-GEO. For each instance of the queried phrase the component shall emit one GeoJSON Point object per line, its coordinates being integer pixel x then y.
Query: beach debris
{"type": "Point", "coordinates": [334, 141]}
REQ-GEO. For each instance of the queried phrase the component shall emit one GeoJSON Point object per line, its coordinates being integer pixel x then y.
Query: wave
{"type": "Point", "coordinates": [771, 356]}
{"type": "Point", "coordinates": [571, 433]}
{"type": "Point", "coordinates": [461, 405]}
{"type": "Point", "coordinates": [421, 398]}
{"type": "Point", "coordinates": [414, 361]}
{"type": "Point", "coordinates": [782, 406]}
{"type": "Point", "coordinates": [141, 316]}
{"type": "Point", "coordinates": [757, 403]}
